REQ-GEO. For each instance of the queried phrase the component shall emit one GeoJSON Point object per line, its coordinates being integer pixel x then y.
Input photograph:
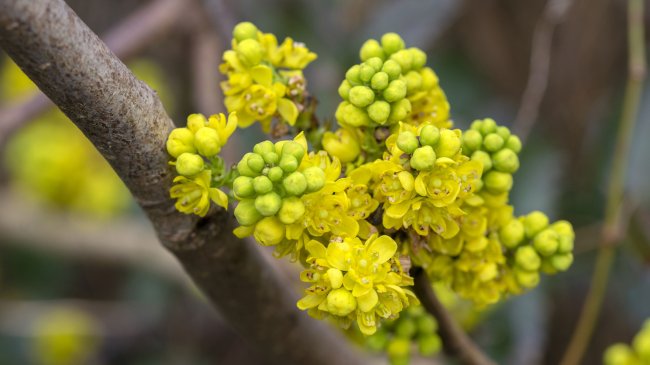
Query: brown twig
{"type": "Point", "coordinates": [613, 227]}
{"type": "Point", "coordinates": [540, 60]}
{"type": "Point", "coordinates": [127, 123]}
{"type": "Point", "coordinates": [126, 39]}
{"type": "Point", "coordinates": [454, 340]}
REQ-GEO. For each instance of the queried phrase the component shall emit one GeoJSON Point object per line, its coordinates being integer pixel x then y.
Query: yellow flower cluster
{"type": "Point", "coordinates": [265, 79]}
{"type": "Point", "coordinates": [195, 150]}
{"type": "Point", "coordinates": [637, 354]}
{"type": "Point", "coordinates": [356, 281]}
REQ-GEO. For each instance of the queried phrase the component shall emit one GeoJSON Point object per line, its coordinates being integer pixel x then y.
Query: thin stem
{"type": "Point", "coordinates": [611, 232]}
{"type": "Point", "coordinates": [455, 341]}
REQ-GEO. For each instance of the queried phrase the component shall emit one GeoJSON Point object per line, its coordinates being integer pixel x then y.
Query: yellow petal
{"type": "Point", "coordinates": [368, 301]}
{"type": "Point", "coordinates": [382, 249]}
{"type": "Point", "coordinates": [219, 197]}
{"type": "Point", "coordinates": [288, 110]}
{"type": "Point", "coordinates": [310, 301]}
{"type": "Point", "coordinates": [316, 249]}
{"type": "Point", "coordinates": [420, 185]}
{"type": "Point", "coordinates": [336, 278]}
{"type": "Point", "coordinates": [337, 255]}
{"type": "Point", "coordinates": [243, 231]}
{"type": "Point", "coordinates": [262, 75]}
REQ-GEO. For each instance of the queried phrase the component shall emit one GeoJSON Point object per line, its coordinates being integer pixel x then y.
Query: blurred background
{"type": "Point", "coordinates": [83, 279]}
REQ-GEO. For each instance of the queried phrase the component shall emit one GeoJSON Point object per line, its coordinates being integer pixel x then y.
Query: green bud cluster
{"type": "Point", "coordinates": [270, 184]}
{"type": "Point", "coordinates": [496, 148]}
{"type": "Point", "coordinates": [431, 144]}
{"type": "Point", "coordinates": [537, 246]}
{"type": "Point", "coordinates": [414, 328]}
{"type": "Point", "coordinates": [637, 354]}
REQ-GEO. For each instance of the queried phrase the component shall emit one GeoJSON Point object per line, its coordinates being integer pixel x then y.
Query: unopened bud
{"type": "Point", "coordinates": [244, 30]}
{"type": "Point", "coordinates": [527, 258]}
{"type": "Point", "coordinates": [512, 233]}
{"type": "Point", "coordinates": [391, 43]}
{"type": "Point", "coordinates": [269, 231]}
{"type": "Point", "coordinates": [449, 143]}
{"type": "Point", "coordinates": [189, 164]}
{"type": "Point", "coordinates": [379, 111]}
{"type": "Point", "coordinates": [429, 136]}
{"type": "Point", "coordinates": [371, 48]}
{"type": "Point", "coordinates": [250, 52]}
{"type": "Point", "coordinates": [207, 142]}
{"type": "Point", "coordinates": [292, 209]}
{"type": "Point", "coordinates": [424, 158]}
{"type": "Point", "coordinates": [243, 187]}
{"type": "Point", "coordinates": [498, 182]}
{"type": "Point", "coordinates": [395, 91]}
{"type": "Point", "coordinates": [246, 214]}
{"type": "Point", "coordinates": [407, 142]}
{"type": "Point", "coordinates": [268, 204]}
{"type": "Point", "coordinates": [506, 161]}
{"type": "Point", "coordinates": [315, 178]}
{"type": "Point", "coordinates": [361, 96]}
{"type": "Point", "coordinates": [180, 140]}
{"type": "Point", "coordinates": [262, 184]}
{"type": "Point", "coordinates": [340, 302]}
{"type": "Point", "coordinates": [295, 183]}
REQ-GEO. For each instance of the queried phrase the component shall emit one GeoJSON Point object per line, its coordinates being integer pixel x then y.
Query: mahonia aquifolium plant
{"type": "Point", "coordinates": [637, 354]}
{"type": "Point", "coordinates": [395, 186]}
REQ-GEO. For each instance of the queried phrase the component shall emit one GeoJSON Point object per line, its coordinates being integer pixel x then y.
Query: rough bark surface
{"type": "Point", "coordinates": [125, 120]}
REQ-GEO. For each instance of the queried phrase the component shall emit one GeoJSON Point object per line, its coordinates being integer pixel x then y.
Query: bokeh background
{"type": "Point", "coordinates": [84, 281]}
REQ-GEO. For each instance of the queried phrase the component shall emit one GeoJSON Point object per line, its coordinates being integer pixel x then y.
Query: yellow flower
{"type": "Point", "coordinates": [293, 55]}
{"type": "Point", "coordinates": [194, 195]}
{"type": "Point", "coordinates": [342, 144]}
{"type": "Point", "coordinates": [356, 281]}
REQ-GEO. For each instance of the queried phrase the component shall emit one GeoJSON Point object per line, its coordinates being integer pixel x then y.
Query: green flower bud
{"type": "Point", "coordinates": [379, 111]}
{"type": "Point", "coordinates": [340, 302]}
{"type": "Point", "coordinates": [295, 184]}
{"type": "Point", "coordinates": [243, 187]}
{"type": "Point", "coordinates": [268, 204]}
{"type": "Point", "coordinates": [405, 328]}
{"type": "Point", "coordinates": [427, 325]}
{"type": "Point", "coordinates": [288, 163]}
{"type": "Point", "coordinates": [371, 48]}
{"type": "Point", "coordinates": [275, 174]}
{"type": "Point", "coordinates": [512, 233]}
{"type": "Point", "coordinates": [504, 132]}
{"type": "Point", "coordinates": [294, 149]}
{"type": "Point", "coordinates": [619, 354]}
{"type": "Point", "coordinates": [407, 142]}
{"type": "Point", "coordinates": [292, 209]}
{"type": "Point", "coordinates": [255, 162]}
{"type": "Point", "coordinates": [250, 52]}
{"type": "Point", "coordinates": [353, 116]}
{"type": "Point", "coordinates": [514, 143]}
{"type": "Point", "coordinates": [344, 89]}
{"type": "Point", "coordinates": [424, 158]}
{"type": "Point", "coordinates": [562, 262]}
{"type": "Point", "coordinates": [180, 140]}
{"type": "Point", "coordinates": [189, 164]}
{"type": "Point", "coordinates": [315, 178]}
{"type": "Point", "coordinates": [366, 72]}
{"type": "Point", "coordinates": [244, 30]}
{"type": "Point", "coordinates": [400, 110]}
{"type": "Point", "coordinates": [565, 236]}
{"type": "Point", "coordinates": [527, 258]}
{"type": "Point", "coordinates": [361, 96]}
{"type": "Point", "coordinates": [505, 160]}
{"type": "Point", "coordinates": [352, 75]}
{"type": "Point", "coordinates": [395, 91]}
{"type": "Point", "coordinates": [404, 58]}
{"type": "Point", "coordinates": [429, 136]}
{"type": "Point", "coordinates": [477, 125]}
{"type": "Point", "coordinates": [488, 126]}
{"type": "Point", "coordinates": [413, 81]}
{"type": "Point", "coordinates": [547, 267]}
{"type": "Point", "coordinates": [375, 63]}
{"type": "Point", "coordinates": [392, 69]}
{"type": "Point", "coordinates": [207, 142]}
{"type": "Point", "coordinates": [379, 81]}
{"type": "Point", "coordinates": [449, 144]}
{"type": "Point", "coordinates": [271, 158]}
{"type": "Point", "coordinates": [263, 147]}
{"type": "Point", "coordinates": [429, 345]}
{"type": "Point", "coordinates": [472, 140]}
{"type": "Point", "coordinates": [546, 243]}
{"type": "Point", "coordinates": [262, 184]}
{"type": "Point", "coordinates": [246, 214]}
{"type": "Point", "coordinates": [419, 58]}
{"type": "Point", "coordinates": [527, 279]}
{"type": "Point", "coordinates": [493, 142]}
{"type": "Point", "coordinates": [534, 223]}
{"type": "Point", "coordinates": [391, 43]}
{"type": "Point", "coordinates": [242, 167]}
{"type": "Point", "coordinates": [269, 231]}
{"type": "Point", "coordinates": [484, 158]}
{"type": "Point", "coordinates": [498, 182]}
{"type": "Point", "coordinates": [398, 347]}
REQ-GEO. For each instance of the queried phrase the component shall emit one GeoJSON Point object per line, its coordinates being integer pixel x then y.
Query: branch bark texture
{"type": "Point", "coordinates": [125, 120]}
{"type": "Point", "coordinates": [454, 339]}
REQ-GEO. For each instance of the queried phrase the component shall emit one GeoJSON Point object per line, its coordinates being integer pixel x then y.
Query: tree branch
{"type": "Point", "coordinates": [454, 340]}
{"type": "Point", "coordinates": [125, 120]}
{"type": "Point", "coordinates": [126, 39]}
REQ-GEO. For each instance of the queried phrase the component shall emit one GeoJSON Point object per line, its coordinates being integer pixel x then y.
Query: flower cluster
{"type": "Point", "coordinates": [637, 354]}
{"type": "Point", "coordinates": [265, 80]}
{"type": "Point", "coordinates": [357, 281]}
{"type": "Point", "coordinates": [201, 171]}
{"type": "Point", "coordinates": [396, 186]}
{"type": "Point", "coordinates": [398, 336]}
